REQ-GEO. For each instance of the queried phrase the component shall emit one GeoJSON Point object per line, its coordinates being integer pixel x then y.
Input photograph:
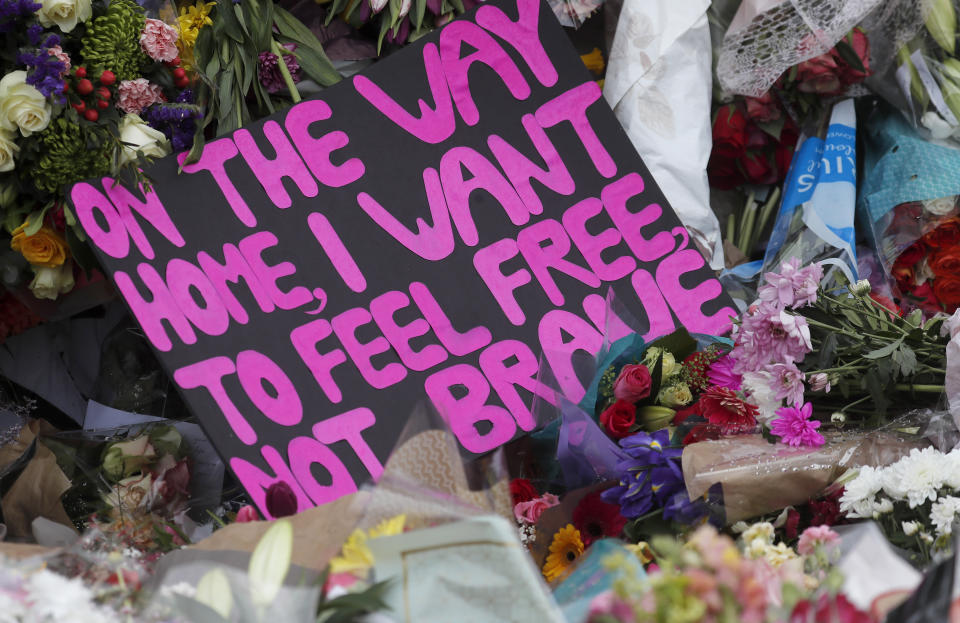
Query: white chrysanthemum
{"type": "Point", "coordinates": [951, 470]}
{"type": "Point", "coordinates": [760, 392]}
{"type": "Point", "coordinates": [860, 494]}
{"type": "Point", "coordinates": [910, 527]}
{"type": "Point", "coordinates": [915, 478]}
{"type": "Point", "coordinates": [942, 514]}
{"type": "Point", "coordinates": [762, 530]}
{"type": "Point", "coordinates": [53, 597]}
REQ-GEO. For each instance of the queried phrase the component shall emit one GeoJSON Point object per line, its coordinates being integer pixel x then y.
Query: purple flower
{"type": "Point", "coordinates": [787, 382]}
{"type": "Point", "coordinates": [770, 335]}
{"type": "Point", "coordinates": [721, 374]}
{"type": "Point", "coordinates": [795, 428]}
{"type": "Point", "coordinates": [177, 121]}
{"type": "Point", "coordinates": [682, 509]}
{"type": "Point", "coordinates": [13, 11]}
{"type": "Point", "coordinates": [268, 71]}
{"type": "Point", "coordinates": [649, 477]}
{"type": "Point", "coordinates": [44, 70]}
{"type": "Point", "coordinates": [792, 286]}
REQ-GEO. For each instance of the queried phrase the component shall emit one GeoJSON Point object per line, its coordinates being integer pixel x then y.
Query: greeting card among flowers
{"type": "Point", "coordinates": [431, 230]}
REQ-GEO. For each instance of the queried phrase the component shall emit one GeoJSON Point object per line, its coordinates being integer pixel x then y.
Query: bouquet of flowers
{"type": "Point", "coordinates": [712, 578]}
{"type": "Point", "coordinates": [87, 89]}
{"type": "Point", "coordinates": [915, 500]}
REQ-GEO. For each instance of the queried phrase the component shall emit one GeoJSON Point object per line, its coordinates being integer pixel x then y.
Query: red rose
{"type": "Point", "coordinates": [946, 262]}
{"type": "Point", "coordinates": [757, 167]}
{"type": "Point", "coordinates": [522, 490]}
{"type": "Point", "coordinates": [947, 290]}
{"type": "Point", "coordinates": [947, 234]}
{"type": "Point", "coordinates": [729, 131]}
{"type": "Point", "coordinates": [912, 254]}
{"type": "Point", "coordinates": [633, 383]}
{"type": "Point", "coordinates": [618, 419]}
{"type": "Point", "coordinates": [857, 40]}
{"type": "Point", "coordinates": [763, 109]}
{"type": "Point", "coordinates": [819, 75]}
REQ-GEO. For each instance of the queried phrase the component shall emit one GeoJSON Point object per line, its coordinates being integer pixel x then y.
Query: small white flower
{"type": "Point", "coordinates": [838, 418]}
{"type": "Point", "coordinates": [939, 207]}
{"type": "Point", "coordinates": [861, 288]}
{"type": "Point", "coordinates": [910, 527]}
{"type": "Point", "coordinates": [883, 507]}
{"type": "Point", "coordinates": [942, 514]}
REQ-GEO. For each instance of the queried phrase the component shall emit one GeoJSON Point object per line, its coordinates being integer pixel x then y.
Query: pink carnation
{"type": "Point", "coordinates": [135, 95]}
{"type": "Point", "coordinates": [530, 511]}
{"type": "Point", "coordinates": [159, 40]}
{"type": "Point", "coordinates": [814, 537]}
{"type": "Point", "coordinates": [62, 56]}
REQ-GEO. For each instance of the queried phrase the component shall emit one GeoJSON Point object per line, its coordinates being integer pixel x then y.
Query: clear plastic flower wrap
{"type": "Point", "coordinates": [909, 210]}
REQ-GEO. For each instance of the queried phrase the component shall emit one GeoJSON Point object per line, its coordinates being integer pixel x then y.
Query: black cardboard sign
{"type": "Point", "coordinates": [429, 228]}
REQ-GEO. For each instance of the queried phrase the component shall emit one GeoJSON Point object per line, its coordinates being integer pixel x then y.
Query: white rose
{"type": "Point", "coordinates": [8, 151]}
{"type": "Point", "coordinates": [21, 105]}
{"type": "Point", "coordinates": [941, 206]}
{"type": "Point", "coordinates": [49, 283]}
{"type": "Point", "coordinates": [140, 136]}
{"type": "Point", "coordinates": [64, 13]}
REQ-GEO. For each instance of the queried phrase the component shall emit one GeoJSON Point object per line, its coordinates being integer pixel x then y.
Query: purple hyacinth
{"type": "Point", "coordinates": [177, 121]}
{"type": "Point", "coordinates": [13, 11]}
{"type": "Point", "coordinates": [268, 70]}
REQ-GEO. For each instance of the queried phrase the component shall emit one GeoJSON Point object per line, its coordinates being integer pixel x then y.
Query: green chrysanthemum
{"type": "Point", "coordinates": [113, 41]}
{"type": "Point", "coordinates": [71, 153]}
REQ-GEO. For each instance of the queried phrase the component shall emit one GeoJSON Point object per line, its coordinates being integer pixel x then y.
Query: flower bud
{"type": "Point", "coordinates": [820, 382]}
{"type": "Point", "coordinates": [281, 500]}
{"type": "Point", "coordinates": [941, 22]}
{"type": "Point", "coordinates": [247, 514]}
{"type": "Point", "coordinates": [861, 288]}
{"type": "Point", "coordinates": [838, 418]}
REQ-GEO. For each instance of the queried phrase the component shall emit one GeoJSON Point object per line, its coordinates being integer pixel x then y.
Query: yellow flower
{"type": "Point", "coordinates": [642, 551]}
{"type": "Point", "coordinates": [46, 248]}
{"type": "Point", "coordinates": [565, 549]}
{"type": "Point", "coordinates": [355, 557]}
{"type": "Point", "coordinates": [191, 20]}
{"type": "Point", "coordinates": [593, 61]}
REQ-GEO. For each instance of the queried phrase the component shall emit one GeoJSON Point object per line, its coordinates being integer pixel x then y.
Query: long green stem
{"type": "Point", "coordinates": [284, 71]}
{"type": "Point", "coordinates": [926, 389]}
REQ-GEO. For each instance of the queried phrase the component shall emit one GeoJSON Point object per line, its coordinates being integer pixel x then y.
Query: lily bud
{"type": "Point", "coordinates": [917, 90]}
{"type": "Point", "coordinates": [941, 23]}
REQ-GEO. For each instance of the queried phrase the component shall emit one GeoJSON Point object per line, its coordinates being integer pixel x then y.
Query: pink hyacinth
{"type": "Point", "coordinates": [159, 40]}
{"type": "Point", "coordinates": [62, 56]}
{"type": "Point", "coordinates": [814, 537]}
{"type": "Point", "coordinates": [721, 374]}
{"type": "Point", "coordinates": [795, 428]}
{"type": "Point", "coordinates": [793, 286]}
{"type": "Point", "coordinates": [787, 382]}
{"type": "Point", "coordinates": [135, 95]}
{"type": "Point", "coordinates": [770, 335]}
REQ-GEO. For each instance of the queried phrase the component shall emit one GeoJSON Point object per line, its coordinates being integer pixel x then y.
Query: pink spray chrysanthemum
{"type": "Point", "coordinates": [787, 382]}
{"type": "Point", "coordinates": [814, 537]}
{"type": "Point", "coordinates": [135, 95]}
{"type": "Point", "coordinates": [792, 286]}
{"type": "Point", "coordinates": [721, 374]}
{"type": "Point", "coordinates": [770, 335]}
{"type": "Point", "coordinates": [159, 40]}
{"type": "Point", "coordinates": [795, 428]}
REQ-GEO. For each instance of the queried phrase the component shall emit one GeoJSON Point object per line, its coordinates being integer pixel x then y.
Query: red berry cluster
{"type": "Point", "coordinates": [89, 98]}
{"type": "Point", "coordinates": [180, 78]}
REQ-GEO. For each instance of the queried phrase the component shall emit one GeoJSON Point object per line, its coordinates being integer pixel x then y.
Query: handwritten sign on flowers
{"type": "Point", "coordinates": [428, 229]}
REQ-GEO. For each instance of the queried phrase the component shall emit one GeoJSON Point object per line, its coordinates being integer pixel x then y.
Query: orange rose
{"type": "Point", "coordinates": [46, 248]}
{"type": "Point", "coordinates": [947, 290]}
{"type": "Point", "coordinates": [946, 262]}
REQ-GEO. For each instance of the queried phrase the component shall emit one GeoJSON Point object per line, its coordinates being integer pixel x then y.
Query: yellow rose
{"type": "Point", "coordinates": [64, 13]}
{"type": "Point", "coordinates": [22, 106]}
{"type": "Point", "coordinates": [46, 248]}
{"type": "Point", "coordinates": [8, 150]}
{"type": "Point", "coordinates": [669, 365]}
{"type": "Point", "coordinates": [674, 396]}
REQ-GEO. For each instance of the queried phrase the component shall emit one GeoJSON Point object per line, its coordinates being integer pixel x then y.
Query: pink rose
{"type": "Point", "coordinates": [135, 95]}
{"type": "Point", "coordinates": [819, 75]}
{"type": "Point", "coordinates": [763, 109]}
{"type": "Point", "coordinates": [62, 56]}
{"type": "Point", "coordinates": [633, 383]}
{"type": "Point", "coordinates": [159, 41]}
{"type": "Point", "coordinates": [530, 511]}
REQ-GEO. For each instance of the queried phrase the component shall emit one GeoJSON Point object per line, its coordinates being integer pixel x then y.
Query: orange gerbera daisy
{"type": "Point", "coordinates": [566, 548]}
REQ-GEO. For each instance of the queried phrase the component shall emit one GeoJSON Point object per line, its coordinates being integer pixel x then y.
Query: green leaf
{"type": "Point", "coordinates": [906, 360]}
{"type": "Point", "coordinates": [238, 11]}
{"type": "Point", "coordinates": [827, 351]}
{"type": "Point", "coordinates": [225, 102]}
{"type": "Point", "coordinates": [385, 25]}
{"type": "Point", "coordinates": [227, 17]}
{"type": "Point", "coordinates": [884, 351]}
{"type": "Point", "coordinates": [419, 10]}
{"type": "Point", "coordinates": [849, 55]}
{"type": "Point", "coordinates": [914, 318]}
{"type": "Point", "coordinates": [317, 66]}
{"type": "Point", "coordinates": [213, 67]}
{"type": "Point", "coordinates": [458, 5]}
{"type": "Point", "coordinates": [35, 220]}
{"type": "Point", "coordinates": [679, 344]}
{"type": "Point", "coordinates": [194, 154]}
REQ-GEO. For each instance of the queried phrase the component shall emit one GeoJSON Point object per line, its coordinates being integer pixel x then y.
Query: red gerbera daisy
{"type": "Point", "coordinates": [722, 407]}
{"type": "Point", "coordinates": [596, 519]}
